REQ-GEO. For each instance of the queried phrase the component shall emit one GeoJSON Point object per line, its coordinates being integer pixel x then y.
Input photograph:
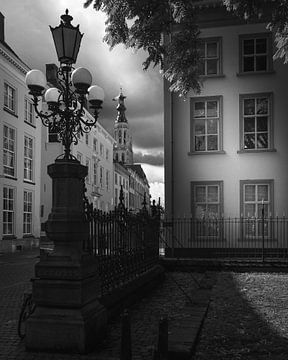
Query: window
{"type": "Point", "coordinates": [29, 112]}
{"type": "Point", "coordinates": [206, 124]}
{"type": "Point", "coordinates": [101, 149]}
{"type": "Point", "coordinates": [87, 163]}
{"type": "Point", "coordinates": [116, 179]}
{"type": "Point", "coordinates": [207, 199]}
{"type": "Point", "coordinates": [28, 158]}
{"type": "Point", "coordinates": [9, 98]}
{"type": "Point", "coordinates": [53, 134]}
{"type": "Point", "coordinates": [256, 122]}
{"type": "Point", "coordinates": [9, 150]}
{"type": "Point", "coordinates": [101, 176]}
{"type": "Point", "coordinates": [107, 180]}
{"type": "Point", "coordinates": [87, 139]}
{"type": "Point", "coordinates": [256, 199]}
{"type": "Point", "coordinates": [95, 172]}
{"type": "Point", "coordinates": [95, 145]}
{"type": "Point", "coordinates": [107, 154]}
{"type": "Point", "coordinates": [210, 57]}
{"type": "Point", "coordinates": [8, 210]}
{"type": "Point", "coordinates": [27, 212]}
{"type": "Point", "coordinates": [255, 53]}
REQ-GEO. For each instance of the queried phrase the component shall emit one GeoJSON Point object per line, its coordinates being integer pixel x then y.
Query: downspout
{"type": "Point", "coordinates": [172, 172]}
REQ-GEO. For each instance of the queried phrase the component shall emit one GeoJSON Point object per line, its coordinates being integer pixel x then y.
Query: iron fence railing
{"type": "Point", "coordinates": [126, 244]}
{"type": "Point", "coordinates": [220, 237]}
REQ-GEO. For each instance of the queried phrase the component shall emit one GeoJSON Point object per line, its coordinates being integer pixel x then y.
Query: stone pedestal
{"type": "Point", "coordinates": [68, 316]}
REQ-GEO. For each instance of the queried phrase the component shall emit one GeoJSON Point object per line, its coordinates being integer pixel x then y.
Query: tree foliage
{"type": "Point", "coordinates": [142, 24]}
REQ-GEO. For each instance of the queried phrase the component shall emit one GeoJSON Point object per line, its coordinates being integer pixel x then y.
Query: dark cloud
{"type": "Point", "coordinates": [157, 159]}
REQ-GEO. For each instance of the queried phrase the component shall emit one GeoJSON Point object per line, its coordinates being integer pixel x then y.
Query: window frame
{"type": "Point", "coordinates": [8, 210]}
{"type": "Point", "coordinates": [28, 160]}
{"type": "Point", "coordinates": [270, 127]}
{"type": "Point", "coordinates": [8, 151]}
{"type": "Point", "coordinates": [7, 97]}
{"type": "Point", "coordinates": [27, 224]}
{"type": "Point", "coordinates": [219, 56]}
{"type": "Point", "coordinates": [206, 99]}
{"type": "Point", "coordinates": [256, 220]}
{"type": "Point", "coordinates": [29, 117]}
{"type": "Point", "coordinates": [269, 56]}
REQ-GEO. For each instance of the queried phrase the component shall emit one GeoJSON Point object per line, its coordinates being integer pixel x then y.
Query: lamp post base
{"type": "Point", "coordinates": [68, 316]}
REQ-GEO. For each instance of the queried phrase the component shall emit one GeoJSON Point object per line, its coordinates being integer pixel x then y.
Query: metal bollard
{"type": "Point", "coordinates": [126, 350]}
{"type": "Point", "coordinates": [162, 346]}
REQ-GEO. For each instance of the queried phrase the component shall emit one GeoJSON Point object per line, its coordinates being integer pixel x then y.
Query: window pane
{"type": "Point", "coordinates": [212, 49]}
{"type": "Point", "coordinates": [248, 46]}
{"type": "Point", "coordinates": [262, 141]}
{"type": "Point", "coordinates": [212, 67]}
{"type": "Point", "coordinates": [249, 106]}
{"type": "Point", "coordinates": [200, 193]}
{"type": "Point", "coordinates": [261, 63]}
{"type": "Point", "coordinates": [261, 46]}
{"type": "Point", "coordinates": [199, 109]}
{"type": "Point", "coordinates": [199, 127]}
{"type": "Point", "coordinates": [262, 106]}
{"type": "Point", "coordinates": [249, 141]}
{"type": "Point", "coordinates": [213, 193]}
{"type": "Point", "coordinates": [200, 211]}
{"type": "Point", "coordinates": [200, 143]}
{"type": "Point", "coordinates": [212, 126]}
{"type": "Point", "coordinates": [212, 108]}
{"type": "Point", "coordinates": [262, 123]}
{"type": "Point", "coordinates": [249, 124]}
{"type": "Point", "coordinates": [249, 210]}
{"type": "Point", "coordinates": [202, 49]}
{"type": "Point", "coordinates": [202, 67]}
{"type": "Point", "coordinates": [263, 192]}
{"type": "Point", "coordinates": [213, 210]}
{"type": "Point", "coordinates": [248, 63]}
{"type": "Point", "coordinates": [212, 142]}
{"type": "Point", "coordinates": [266, 211]}
{"type": "Point", "coordinates": [250, 192]}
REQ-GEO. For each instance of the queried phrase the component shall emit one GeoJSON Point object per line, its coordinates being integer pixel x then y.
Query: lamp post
{"type": "Point", "coordinates": [66, 287]}
{"type": "Point", "coordinates": [65, 113]}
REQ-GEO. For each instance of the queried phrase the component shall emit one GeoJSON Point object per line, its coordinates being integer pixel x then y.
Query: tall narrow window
{"type": "Point", "coordinates": [256, 122]}
{"type": "Point", "coordinates": [210, 57]}
{"type": "Point", "coordinates": [95, 172]}
{"type": "Point", "coordinates": [255, 53]}
{"type": "Point", "coordinates": [27, 212]}
{"type": "Point", "coordinates": [9, 98]}
{"type": "Point", "coordinates": [107, 180]}
{"type": "Point", "coordinates": [95, 145]}
{"type": "Point", "coordinates": [8, 210]}
{"type": "Point", "coordinates": [256, 200]}
{"type": "Point", "coordinates": [9, 150]}
{"type": "Point", "coordinates": [206, 124]}
{"type": "Point", "coordinates": [101, 149]}
{"type": "Point", "coordinates": [28, 158]}
{"type": "Point", "coordinates": [29, 112]}
{"type": "Point", "coordinates": [101, 177]}
{"type": "Point", "coordinates": [87, 163]}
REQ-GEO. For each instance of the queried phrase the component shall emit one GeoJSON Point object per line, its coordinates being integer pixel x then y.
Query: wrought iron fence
{"type": "Point", "coordinates": [225, 237]}
{"type": "Point", "coordinates": [126, 244]}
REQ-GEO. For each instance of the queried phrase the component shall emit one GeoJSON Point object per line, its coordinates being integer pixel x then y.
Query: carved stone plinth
{"type": "Point", "coordinates": [68, 315]}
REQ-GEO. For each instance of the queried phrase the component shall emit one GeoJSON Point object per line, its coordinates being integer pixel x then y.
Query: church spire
{"type": "Point", "coordinates": [121, 117]}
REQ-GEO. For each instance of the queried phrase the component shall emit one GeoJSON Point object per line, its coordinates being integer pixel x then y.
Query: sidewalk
{"type": "Point", "coordinates": [178, 298]}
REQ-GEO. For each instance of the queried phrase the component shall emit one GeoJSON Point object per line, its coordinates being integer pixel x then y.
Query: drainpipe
{"type": "Point", "coordinates": [172, 172]}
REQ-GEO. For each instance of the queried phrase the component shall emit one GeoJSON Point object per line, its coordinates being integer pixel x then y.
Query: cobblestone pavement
{"type": "Point", "coordinates": [168, 299]}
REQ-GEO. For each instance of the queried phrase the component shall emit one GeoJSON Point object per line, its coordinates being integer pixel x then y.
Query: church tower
{"type": "Point", "coordinates": [123, 148]}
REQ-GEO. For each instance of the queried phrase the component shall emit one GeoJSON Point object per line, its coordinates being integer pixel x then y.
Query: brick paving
{"type": "Point", "coordinates": [167, 300]}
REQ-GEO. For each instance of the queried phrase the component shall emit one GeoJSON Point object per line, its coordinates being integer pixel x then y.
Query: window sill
{"type": "Point", "coordinates": [25, 236]}
{"type": "Point", "coordinates": [255, 151]}
{"type": "Point", "coordinates": [11, 112]}
{"type": "Point", "coordinates": [9, 237]}
{"type": "Point", "coordinates": [206, 152]}
{"type": "Point", "coordinates": [29, 182]}
{"type": "Point", "coordinates": [217, 76]}
{"type": "Point", "coordinates": [10, 177]}
{"type": "Point", "coordinates": [28, 123]}
{"type": "Point", "coordinates": [269, 72]}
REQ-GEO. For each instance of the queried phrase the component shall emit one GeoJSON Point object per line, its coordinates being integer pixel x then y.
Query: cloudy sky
{"type": "Point", "coordinates": [27, 32]}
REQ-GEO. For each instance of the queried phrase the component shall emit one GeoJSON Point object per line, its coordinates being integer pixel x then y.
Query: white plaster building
{"type": "Point", "coordinates": [20, 145]}
{"type": "Point", "coordinates": [226, 150]}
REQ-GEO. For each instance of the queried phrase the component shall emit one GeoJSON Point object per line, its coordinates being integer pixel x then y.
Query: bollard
{"type": "Point", "coordinates": [162, 346]}
{"type": "Point", "coordinates": [126, 352]}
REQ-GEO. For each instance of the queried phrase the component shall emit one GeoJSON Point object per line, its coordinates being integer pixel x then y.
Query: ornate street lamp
{"type": "Point", "coordinates": [65, 114]}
